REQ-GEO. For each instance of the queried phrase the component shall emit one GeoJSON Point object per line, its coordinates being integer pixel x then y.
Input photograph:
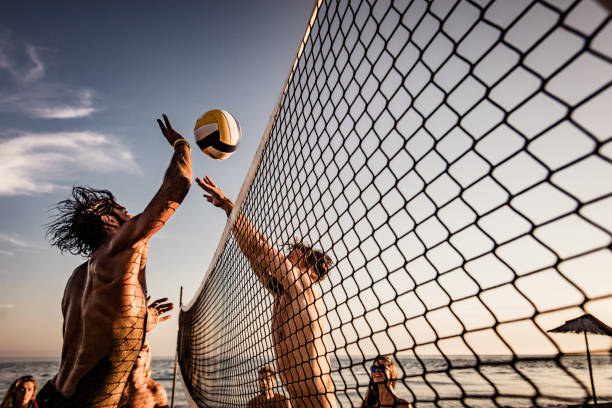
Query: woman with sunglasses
{"type": "Point", "coordinates": [383, 376]}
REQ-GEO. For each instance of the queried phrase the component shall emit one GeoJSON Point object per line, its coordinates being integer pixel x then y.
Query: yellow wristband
{"type": "Point", "coordinates": [181, 140]}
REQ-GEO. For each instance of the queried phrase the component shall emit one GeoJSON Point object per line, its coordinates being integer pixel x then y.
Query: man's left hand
{"type": "Point", "coordinates": [155, 311]}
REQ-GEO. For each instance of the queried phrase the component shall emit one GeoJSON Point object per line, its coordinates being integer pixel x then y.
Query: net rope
{"type": "Point", "coordinates": [454, 159]}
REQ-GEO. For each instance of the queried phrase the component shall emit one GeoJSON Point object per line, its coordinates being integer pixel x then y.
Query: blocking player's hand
{"type": "Point", "coordinates": [215, 195]}
{"type": "Point", "coordinates": [156, 310]}
{"type": "Point", "coordinates": [166, 128]}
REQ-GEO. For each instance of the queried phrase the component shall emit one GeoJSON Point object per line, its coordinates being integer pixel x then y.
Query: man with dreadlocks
{"type": "Point", "coordinates": [104, 303]}
{"type": "Point", "coordinates": [298, 314]}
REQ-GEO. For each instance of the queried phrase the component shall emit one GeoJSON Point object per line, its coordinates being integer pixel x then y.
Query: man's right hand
{"type": "Point", "coordinates": [171, 135]}
{"type": "Point", "coordinates": [215, 195]}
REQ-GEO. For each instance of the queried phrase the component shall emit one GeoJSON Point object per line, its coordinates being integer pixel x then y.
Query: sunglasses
{"type": "Point", "coordinates": [377, 368]}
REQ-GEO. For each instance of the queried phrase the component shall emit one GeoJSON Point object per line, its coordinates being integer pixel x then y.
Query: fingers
{"type": "Point", "coordinates": [162, 127]}
{"type": "Point", "coordinates": [168, 125]}
{"type": "Point", "coordinates": [158, 301]}
{"type": "Point", "coordinates": [166, 307]}
{"type": "Point", "coordinates": [164, 318]}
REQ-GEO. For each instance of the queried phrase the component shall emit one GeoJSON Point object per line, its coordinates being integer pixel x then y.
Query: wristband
{"type": "Point", "coordinates": [181, 140]}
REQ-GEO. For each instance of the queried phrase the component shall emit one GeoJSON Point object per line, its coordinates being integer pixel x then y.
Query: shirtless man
{"type": "Point", "coordinates": [104, 303]}
{"type": "Point", "coordinates": [142, 391]}
{"type": "Point", "coordinates": [268, 398]}
{"type": "Point", "coordinates": [298, 314]}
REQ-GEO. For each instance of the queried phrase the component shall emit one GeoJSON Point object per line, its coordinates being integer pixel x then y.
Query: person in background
{"type": "Point", "coordinates": [21, 394]}
{"type": "Point", "coordinates": [298, 314]}
{"type": "Point", "coordinates": [268, 397]}
{"type": "Point", "coordinates": [383, 377]}
{"type": "Point", "coordinates": [142, 391]}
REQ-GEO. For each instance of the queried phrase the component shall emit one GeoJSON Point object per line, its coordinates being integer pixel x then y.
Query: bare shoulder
{"type": "Point", "coordinates": [75, 285]}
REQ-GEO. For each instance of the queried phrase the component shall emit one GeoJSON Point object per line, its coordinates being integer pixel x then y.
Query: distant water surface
{"type": "Point", "coordinates": [444, 379]}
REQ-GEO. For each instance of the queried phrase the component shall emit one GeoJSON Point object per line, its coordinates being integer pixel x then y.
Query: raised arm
{"type": "Point", "coordinates": [173, 190]}
{"type": "Point", "coordinates": [266, 261]}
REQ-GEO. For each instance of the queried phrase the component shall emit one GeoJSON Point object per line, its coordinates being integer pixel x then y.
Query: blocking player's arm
{"type": "Point", "coordinates": [173, 190]}
{"type": "Point", "coordinates": [266, 261]}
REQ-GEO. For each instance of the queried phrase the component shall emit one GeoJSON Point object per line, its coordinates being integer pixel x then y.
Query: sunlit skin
{"type": "Point", "coordinates": [104, 303]}
{"type": "Point", "coordinates": [141, 390]}
{"type": "Point", "coordinates": [23, 394]}
{"type": "Point", "coordinates": [298, 313]}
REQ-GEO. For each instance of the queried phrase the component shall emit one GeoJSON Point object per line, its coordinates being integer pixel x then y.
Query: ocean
{"type": "Point", "coordinates": [561, 386]}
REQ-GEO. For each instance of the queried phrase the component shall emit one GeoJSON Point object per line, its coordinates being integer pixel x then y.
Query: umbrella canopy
{"type": "Point", "coordinates": [585, 323]}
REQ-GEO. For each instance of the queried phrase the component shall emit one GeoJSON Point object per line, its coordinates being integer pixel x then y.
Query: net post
{"type": "Point", "coordinates": [176, 351]}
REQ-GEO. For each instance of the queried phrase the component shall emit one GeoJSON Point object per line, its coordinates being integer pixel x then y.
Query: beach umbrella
{"type": "Point", "coordinates": [585, 324]}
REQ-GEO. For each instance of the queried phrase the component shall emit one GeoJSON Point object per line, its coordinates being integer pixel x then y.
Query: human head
{"type": "Point", "coordinates": [314, 260]}
{"type": "Point", "coordinates": [389, 375]}
{"type": "Point", "coordinates": [85, 220]}
{"type": "Point", "coordinates": [22, 390]}
{"type": "Point", "coordinates": [267, 379]}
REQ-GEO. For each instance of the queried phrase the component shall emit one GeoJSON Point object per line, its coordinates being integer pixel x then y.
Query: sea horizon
{"type": "Point", "coordinates": [554, 385]}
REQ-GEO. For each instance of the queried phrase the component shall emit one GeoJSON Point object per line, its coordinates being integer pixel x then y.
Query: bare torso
{"type": "Point", "coordinates": [104, 309]}
{"type": "Point", "coordinates": [298, 325]}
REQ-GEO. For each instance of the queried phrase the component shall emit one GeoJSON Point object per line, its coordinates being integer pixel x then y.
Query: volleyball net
{"type": "Point", "coordinates": [454, 159]}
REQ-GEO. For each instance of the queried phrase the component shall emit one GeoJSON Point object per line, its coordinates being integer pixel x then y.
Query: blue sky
{"type": "Point", "coordinates": [81, 84]}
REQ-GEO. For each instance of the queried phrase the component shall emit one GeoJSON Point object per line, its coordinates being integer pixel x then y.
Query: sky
{"type": "Point", "coordinates": [81, 84]}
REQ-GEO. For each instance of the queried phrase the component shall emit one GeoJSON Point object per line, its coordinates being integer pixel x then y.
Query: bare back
{"type": "Point", "coordinates": [104, 310]}
{"type": "Point", "coordinates": [298, 325]}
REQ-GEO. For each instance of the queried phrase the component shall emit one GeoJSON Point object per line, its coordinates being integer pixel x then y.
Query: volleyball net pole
{"type": "Point", "coordinates": [176, 352]}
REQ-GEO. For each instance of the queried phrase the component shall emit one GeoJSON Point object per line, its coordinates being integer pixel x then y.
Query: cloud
{"type": "Point", "coordinates": [22, 61]}
{"type": "Point", "coordinates": [27, 94]}
{"type": "Point", "coordinates": [9, 306]}
{"type": "Point", "coordinates": [5, 252]}
{"type": "Point", "coordinates": [35, 163]}
{"type": "Point", "coordinates": [50, 102]}
{"type": "Point", "coordinates": [10, 239]}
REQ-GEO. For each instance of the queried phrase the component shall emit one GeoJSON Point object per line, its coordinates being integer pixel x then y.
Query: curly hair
{"type": "Point", "coordinates": [9, 398]}
{"type": "Point", "coordinates": [313, 258]}
{"type": "Point", "coordinates": [77, 227]}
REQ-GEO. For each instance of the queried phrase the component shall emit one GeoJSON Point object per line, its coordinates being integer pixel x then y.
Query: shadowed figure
{"type": "Point", "coordinates": [21, 393]}
{"type": "Point", "coordinates": [298, 314]}
{"type": "Point", "coordinates": [104, 303]}
{"type": "Point", "coordinates": [268, 398]}
{"type": "Point", "coordinates": [142, 391]}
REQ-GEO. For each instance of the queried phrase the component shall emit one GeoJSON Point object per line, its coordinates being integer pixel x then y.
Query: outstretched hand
{"type": "Point", "coordinates": [215, 195]}
{"type": "Point", "coordinates": [155, 311]}
{"type": "Point", "coordinates": [170, 134]}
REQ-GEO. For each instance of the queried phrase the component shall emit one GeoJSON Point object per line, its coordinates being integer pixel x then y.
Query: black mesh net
{"type": "Point", "coordinates": [453, 158]}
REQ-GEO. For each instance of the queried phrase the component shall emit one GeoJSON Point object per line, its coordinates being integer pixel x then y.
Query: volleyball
{"type": "Point", "coordinates": [217, 133]}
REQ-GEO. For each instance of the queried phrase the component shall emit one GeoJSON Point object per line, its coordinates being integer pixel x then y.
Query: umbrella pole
{"type": "Point", "coordinates": [586, 340]}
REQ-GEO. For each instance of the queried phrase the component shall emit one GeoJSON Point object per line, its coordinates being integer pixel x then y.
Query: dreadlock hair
{"type": "Point", "coordinates": [78, 228]}
{"type": "Point", "coordinates": [312, 258]}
